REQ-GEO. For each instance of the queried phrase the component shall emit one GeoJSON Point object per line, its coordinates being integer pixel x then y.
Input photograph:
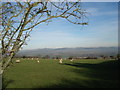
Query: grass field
{"type": "Point", "coordinates": [51, 74]}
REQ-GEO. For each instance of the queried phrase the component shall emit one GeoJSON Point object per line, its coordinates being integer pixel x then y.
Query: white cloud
{"type": "Point", "coordinates": [96, 12]}
{"type": "Point", "coordinates": [107, 13]}
{"type": "Point", "coordinates": [92, 10]}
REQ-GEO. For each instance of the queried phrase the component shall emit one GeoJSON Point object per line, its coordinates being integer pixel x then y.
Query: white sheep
{"type": "Point", "coordinates": [38, 61]}
{"type": "Point", "coordinates": [71, 60]}
{"type": "Point", "coordinates": [60, 61]}
{"type": "Point", "coordinates": [17, 61]}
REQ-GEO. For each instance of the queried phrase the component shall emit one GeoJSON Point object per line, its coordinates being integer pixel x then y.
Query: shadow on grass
{"type": "Point", "coordinates": [108, 70]}
{"type": "Point", "coordinates": [102, 75]}
{"type": "Point", "coordinates": [6, 82]}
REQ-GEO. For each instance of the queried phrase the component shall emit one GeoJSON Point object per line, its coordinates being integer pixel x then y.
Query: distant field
{"type": "Point", "coordinates": [51, 74]}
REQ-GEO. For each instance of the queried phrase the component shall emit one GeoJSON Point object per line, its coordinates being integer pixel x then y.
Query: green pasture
{"type": "Point", "coordinates": [51, 74]}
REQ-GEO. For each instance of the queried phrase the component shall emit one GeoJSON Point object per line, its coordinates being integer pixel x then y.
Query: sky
{"type": "Point", "coordinates": [101, 31]}
{"type": "Point", "coordinates": [62, 0]}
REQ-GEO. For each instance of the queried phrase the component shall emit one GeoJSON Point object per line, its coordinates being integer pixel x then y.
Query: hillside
{"type": "Point", "coordinates": [65, 52]}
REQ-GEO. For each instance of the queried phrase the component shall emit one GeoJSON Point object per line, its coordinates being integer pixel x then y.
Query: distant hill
{"type": "Point", "coordinates": [66, 52]}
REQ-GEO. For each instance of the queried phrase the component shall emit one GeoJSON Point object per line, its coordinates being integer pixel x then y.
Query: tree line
{"type": "Point", "coordinates": [116, 57]}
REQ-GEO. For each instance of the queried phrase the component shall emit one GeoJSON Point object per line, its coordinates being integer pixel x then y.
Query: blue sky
{"type": "Point", "coordinates": [102, 30]}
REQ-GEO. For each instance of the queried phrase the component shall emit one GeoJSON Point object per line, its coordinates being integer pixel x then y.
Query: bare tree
{"type": "Point", "coordinates": [18, 19]}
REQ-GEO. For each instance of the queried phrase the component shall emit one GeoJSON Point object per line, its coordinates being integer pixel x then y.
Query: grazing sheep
{"type": "Point", "coordinates": [71, 60]}
{"type": "Point", "coordinates": [38, 61]}
{"type": "Point", "coordinates": [17, 61]}
{"type": "Point", "coordinates": [60, 61]}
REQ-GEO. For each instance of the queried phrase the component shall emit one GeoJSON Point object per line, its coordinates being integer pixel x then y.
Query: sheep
{"type": "Point", "coordinates": [17, 61]}
{"type": "Point", "coordinates": [60, 60]}
{"type": "Point", "coordinates": [38, 61]}
{"type": "Point", "coordinates": [71, 60]}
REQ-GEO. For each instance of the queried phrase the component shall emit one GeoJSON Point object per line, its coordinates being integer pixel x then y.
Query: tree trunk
{"type": "Point", "coordinates": [6, 64]}
{"type": "Point", "coordinates": [1, 72]}
{"type": "Point", "coordinates": [3, 66]}
{"type": "Point", "coordinates": [0, 81]}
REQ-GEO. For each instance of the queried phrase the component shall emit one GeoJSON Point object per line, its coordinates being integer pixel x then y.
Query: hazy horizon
{"type": "Point", "coordinates": [71, 47]}
{"type": "Point", "coordinates": [66, 52]}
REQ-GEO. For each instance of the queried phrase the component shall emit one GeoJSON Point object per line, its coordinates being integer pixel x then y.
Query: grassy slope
{"type": "Point", "coordinates": [51, 74]}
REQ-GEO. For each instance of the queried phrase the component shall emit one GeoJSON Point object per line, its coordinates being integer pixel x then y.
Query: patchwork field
{"type": "Point", "coordinates": [51, 74]}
